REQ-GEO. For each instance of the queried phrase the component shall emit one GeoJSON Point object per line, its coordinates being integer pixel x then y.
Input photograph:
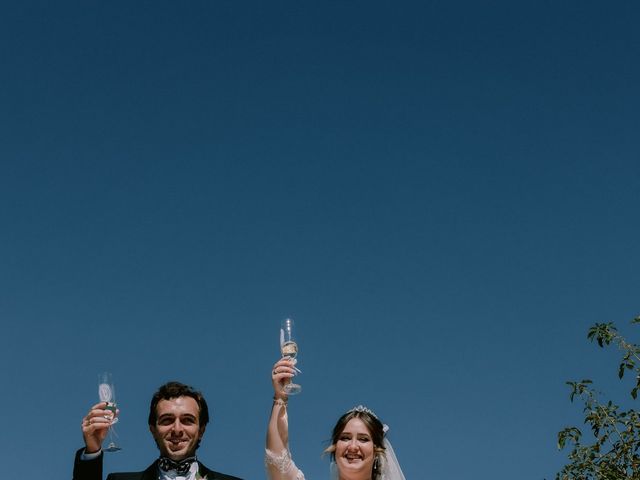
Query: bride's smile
{"type": "Point", "coordinates": [354, 448]}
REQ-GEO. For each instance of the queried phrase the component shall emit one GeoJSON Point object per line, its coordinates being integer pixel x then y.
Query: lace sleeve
{"type": "Point", "coordinates": [281, 467]}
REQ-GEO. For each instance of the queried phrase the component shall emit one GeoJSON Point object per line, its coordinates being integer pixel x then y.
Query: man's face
{"type": "Point", "coordinates": [177, 430]}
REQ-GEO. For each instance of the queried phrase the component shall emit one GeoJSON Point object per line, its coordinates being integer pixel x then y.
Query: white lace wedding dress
{"type": "Point", "coordinates": [281, 467]}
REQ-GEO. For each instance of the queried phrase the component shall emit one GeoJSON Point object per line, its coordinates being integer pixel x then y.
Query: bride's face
{"type": "Point", "coordinates": [355, 451]}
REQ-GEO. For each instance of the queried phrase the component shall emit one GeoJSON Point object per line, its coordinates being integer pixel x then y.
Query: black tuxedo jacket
{"type": "Point", "coordinates": [92, 470]}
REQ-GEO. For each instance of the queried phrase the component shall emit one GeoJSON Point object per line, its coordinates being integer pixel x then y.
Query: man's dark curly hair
{"type": "Point", "coordinates": [174, 390]}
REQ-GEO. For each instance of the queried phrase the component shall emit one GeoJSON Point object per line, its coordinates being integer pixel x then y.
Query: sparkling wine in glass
{"type": "Point", "coordinates": [289, 349]}
{"type": "Point", "coordinates": [107, 394]}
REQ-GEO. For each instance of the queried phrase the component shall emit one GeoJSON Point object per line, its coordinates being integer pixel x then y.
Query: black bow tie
{"type": "Point", "coordinates": [181, 467]}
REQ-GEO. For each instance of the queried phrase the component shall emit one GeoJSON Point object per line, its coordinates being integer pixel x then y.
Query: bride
{"type": "Point", "coordinates": [359, 449]}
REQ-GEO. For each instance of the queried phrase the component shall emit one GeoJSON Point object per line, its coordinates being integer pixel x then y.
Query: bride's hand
{"type": "Point", "coordinates": [280, 373]}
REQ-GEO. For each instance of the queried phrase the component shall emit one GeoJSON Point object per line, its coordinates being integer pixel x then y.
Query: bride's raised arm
{"type": "Point", "coordinates": [278, 459]}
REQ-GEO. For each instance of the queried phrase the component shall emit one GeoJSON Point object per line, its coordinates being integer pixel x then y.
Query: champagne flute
{"type": "Point", "coordinates": [289, 349]}
{"type": "Point", "coordinates": [107, 394]}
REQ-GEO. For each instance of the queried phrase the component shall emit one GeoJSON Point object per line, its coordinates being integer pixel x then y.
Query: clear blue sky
{"type": "Point", "coordinates": [443, 195]}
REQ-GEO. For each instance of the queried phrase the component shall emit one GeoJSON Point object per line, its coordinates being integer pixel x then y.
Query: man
{"type": "Point", "coordinates": [178, 417]}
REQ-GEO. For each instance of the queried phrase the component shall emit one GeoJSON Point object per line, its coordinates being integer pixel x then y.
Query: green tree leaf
{"type": "Point", "coordinates": [610, 451]}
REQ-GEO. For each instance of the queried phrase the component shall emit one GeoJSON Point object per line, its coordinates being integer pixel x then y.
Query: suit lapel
{"type": "Point", "coordinates": [150, 473]}
{"type": "Point", "coordinates": [204, 472]}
